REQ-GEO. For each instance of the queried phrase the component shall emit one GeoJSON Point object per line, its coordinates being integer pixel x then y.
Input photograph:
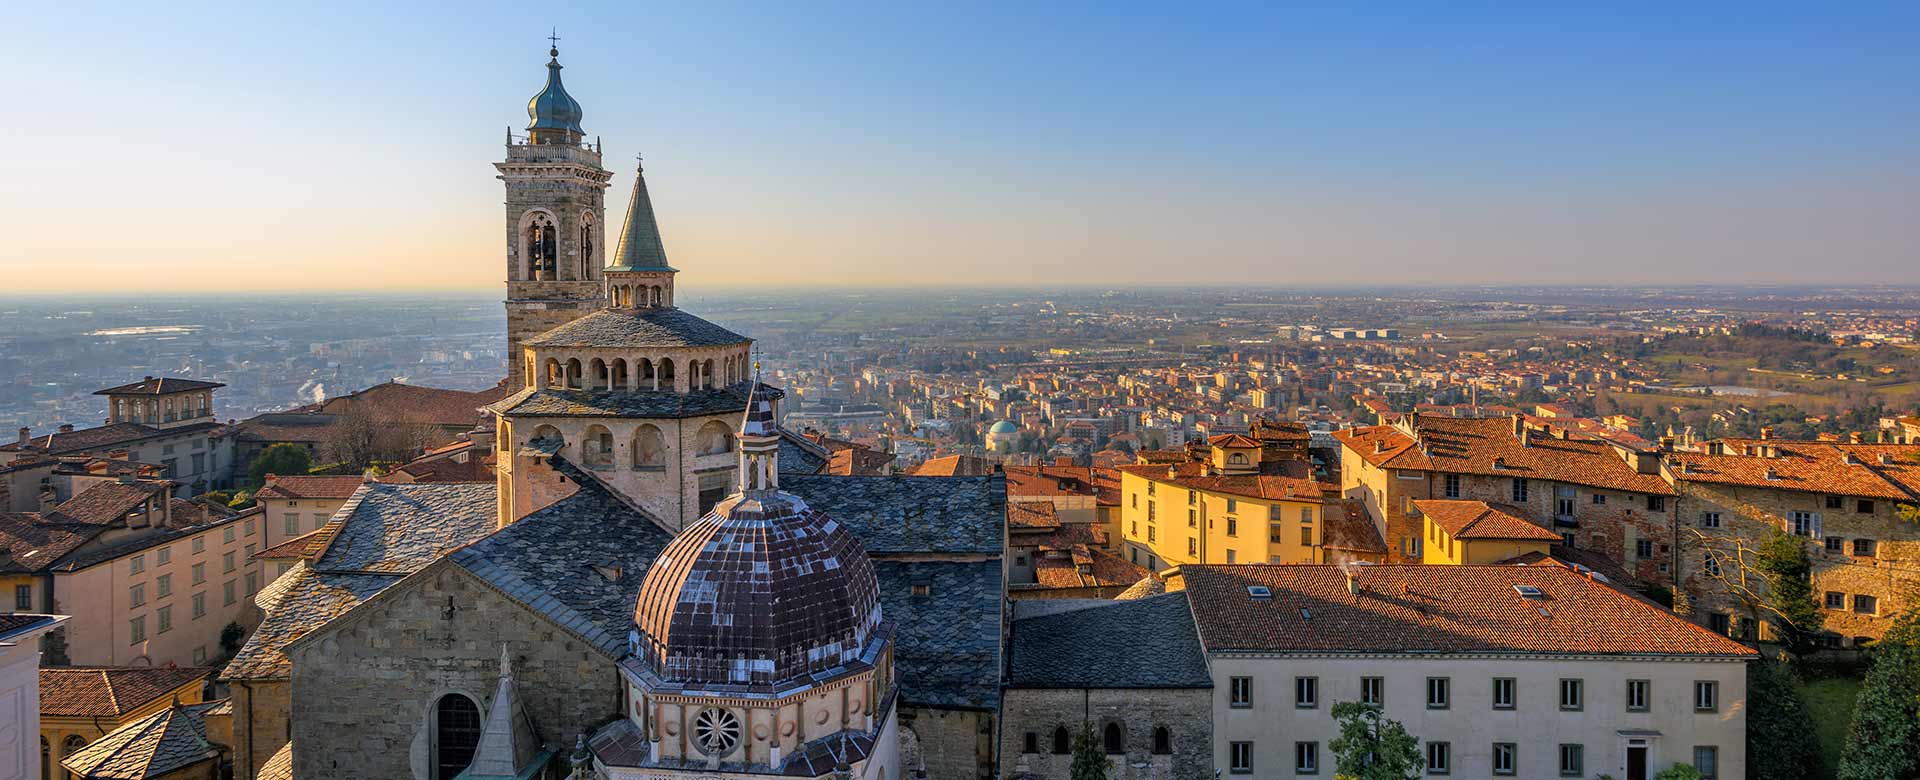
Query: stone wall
{"type": "Point", "coordinates": [260, 725]}
{"type": "Point", "coordinates": [365, 686]}
{"type": "Point", "coordinates": [534, 308]}
{"type": "Point", "coordinates": [1749, 515]}
{"type": "Point", "coordinates": [953, 744]}
{"type": "Point", "coordinates": [1187, 714]}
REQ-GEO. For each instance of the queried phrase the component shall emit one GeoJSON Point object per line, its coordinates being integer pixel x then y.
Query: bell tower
{"type": "Point", "coordinates": [556, 221]}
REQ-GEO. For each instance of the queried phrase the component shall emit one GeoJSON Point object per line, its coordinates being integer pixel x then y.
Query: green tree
{"type": "Point", "coordinates": [1089, 759]}
{"type": "Point", "coordinates": [1780, 734]}
{"type": "Point", "coordinates": [282, 458]}
{"type": "Point", "coordinates": [1885, 741]}
{"type": "Point", "coordinates": [1679, 772]}
{"type": "Point", "coordinates": [241, 500]}
{"type": "Point", "coordinates": [1373, 747]}
{"type": "Point", "coordinates": [1788, 570]}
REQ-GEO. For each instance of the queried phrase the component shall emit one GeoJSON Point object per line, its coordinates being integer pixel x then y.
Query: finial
{"type": "Point", "coordinates": [553, 40]}
{"type": "Point", "coordinates": [506, 662]}
{"type": "Point", "coordinates": [639, 162]}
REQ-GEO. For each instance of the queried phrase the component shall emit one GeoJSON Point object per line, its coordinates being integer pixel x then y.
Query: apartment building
{"type": "Point", "coordinates": [1501, 671]}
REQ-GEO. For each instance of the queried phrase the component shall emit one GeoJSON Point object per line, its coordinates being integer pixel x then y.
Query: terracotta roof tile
{"type": "Point", "coordinates": [1481, 520]}
{"type": "Point", "coordinates": [1347, 526]}
{"type": "Point", "coordinates": [1297, 485]}
{"type": "Point", "coordinates": [295, 487]}
{"type": "Point", "coordinates": [1488, 446]}
{"type": "Point", "coordinates": [109, 691]}
{"type": "Point", "coordinates": [1821, 467]}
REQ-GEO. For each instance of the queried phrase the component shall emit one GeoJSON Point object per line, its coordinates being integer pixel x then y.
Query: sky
{"type": "Point", "coordinates": [264, 147]}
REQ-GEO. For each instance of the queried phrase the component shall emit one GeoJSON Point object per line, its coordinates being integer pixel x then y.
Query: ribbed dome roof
{"type": "Point", "coordinates": [553, 108]}
{"type": "Point", "coordinates": [760, 591]}
{"type": "Point", "coordinates": [1004, 426]}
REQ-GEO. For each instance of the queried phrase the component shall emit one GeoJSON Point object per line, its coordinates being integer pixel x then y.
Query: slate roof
{"type": "Point", "coordinates": [1488, 446]}
{"type": "Point", "coordinates": [400, 528]}
{"type": "Point", "coordinates": [166, 741]}
{"type": "Point", "coordinates": [102, 437]}
{"type": "Point", "coordinates": [558, 561]}
{"type": "Point", "coordinates": [912, 514]}
{"type": "Point", "coordinates": [640, 248]}
{"type": "Point", "coordinates": [303, 601]}
{"type": "Point", "coordinates": [1435, 609]}
{"type": "Point", "coordinates": [1075, 649]}
{"type": "Point", "coordinates": [1480, 520]}
{"type": "Point", "coordinates": [556, 402]}
{"type": "Point", "coordinates": [109, 691]}
{"type": "Point", "coordinates": [159, 385]}
{"type": "Point", "coordinates": [800, 456]}
{"type": "Point", "coordinates": [638, 328]}
{"type": "Point", "coordinates": [946, 643]}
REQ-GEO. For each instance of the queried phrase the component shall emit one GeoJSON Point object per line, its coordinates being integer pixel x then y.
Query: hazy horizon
{"type": "Point", "coordinates": [349, 149]}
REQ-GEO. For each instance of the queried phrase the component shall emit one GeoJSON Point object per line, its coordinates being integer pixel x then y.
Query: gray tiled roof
{"type": "Point", "coordinates": [1076, 648]}
{"type": "Point", "coordinates": [166, 741]}
{"type": "Point", "coordinates": [305, 602]}
{"type": "Point", "coordinates": [946, 643]}
{"type": "Point", "coordinates": [621, 328]}
{"type": "Point", "coordinates": [552, 402]}
{"type": "Point", "coordinates": [557, 561]}
{"type": "Point", "coordinates": [399, 528]}
{"type": "Point", "coordinates": [912, 514]}
{"type": "Point", "coordinates": [799, 456]}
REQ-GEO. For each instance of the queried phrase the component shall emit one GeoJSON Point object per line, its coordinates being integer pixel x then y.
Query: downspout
{"type": "Point", "coordinates": [248, 746]}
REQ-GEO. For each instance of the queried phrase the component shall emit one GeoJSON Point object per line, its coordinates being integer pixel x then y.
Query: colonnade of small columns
{"type": "Point", "coordinates": [160, 409]}
{"type": "Point", "coordinates": [641, 374]}
{"type": "Point", "coordinates": [639, 296]}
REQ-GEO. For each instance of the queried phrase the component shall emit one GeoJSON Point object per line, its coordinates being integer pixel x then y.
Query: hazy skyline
{"type": "Point", "coordinates": [281, 150]}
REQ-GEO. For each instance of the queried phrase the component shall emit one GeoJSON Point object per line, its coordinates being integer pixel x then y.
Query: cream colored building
{"type": "Point", "coordinates": [1523, 671]}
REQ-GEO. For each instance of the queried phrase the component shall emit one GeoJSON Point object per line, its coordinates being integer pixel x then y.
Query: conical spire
{"type": "Point", "coordinates": [507, 744]}
{"type": "Point", "coordinates": [640, 247]}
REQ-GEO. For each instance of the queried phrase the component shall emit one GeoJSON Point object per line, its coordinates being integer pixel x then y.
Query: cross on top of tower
{"type": "Point", "coordinates": [553, 40]}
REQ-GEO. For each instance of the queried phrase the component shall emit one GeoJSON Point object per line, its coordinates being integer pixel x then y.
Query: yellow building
{"type": "Point", "coordinates": [1476, 532]}
{"type": "Point", "coordinates": [81, 704]}
{"type": "Point", "coordinates": [1229, 508]}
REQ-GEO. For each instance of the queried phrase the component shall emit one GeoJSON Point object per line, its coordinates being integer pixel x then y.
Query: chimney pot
{"type": "Point", "coordinates": [1766, 432]}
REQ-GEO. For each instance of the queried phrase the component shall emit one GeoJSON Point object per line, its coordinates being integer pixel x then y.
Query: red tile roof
{"type": "Point", "coordinates": [1296, 485]}
{"type": "Point", "coordinates": [1820, 467]}
{"type": "Point", "coordinates": [1481, 520]}
{"type": "Point", "coordinates": [1347, 526]}
{"type": "Point", "coordinates": [111, 691]}
{"type": "Point", "coordinates": [1032, 515]}
{"type": "Point", "coordinates": [1104, 570]}
{"type": "Point", "coordinates": [1434, 609]}
{"type": "Point", "coordinates": [1488, 446]}
{"type": "Point", "coordinates": [954, 466]}
{"type": "Point", "coordinates": [105, 502]}
{"type": "Point", "coordinates": [1233, 440]}
{"type": "Point", "coordinates": [327, 487]}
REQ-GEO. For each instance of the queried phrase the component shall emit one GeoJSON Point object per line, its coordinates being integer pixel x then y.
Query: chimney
{"type": "Point", "coordinates": [1519, 426]}
{"type": "Point", "coordinates": [1766, 432]}
{"type": "Point", "coordinates": [66, 427]}
{"type": "Point", "coordinates": [1353, 581]}
{"type": "Point", "coordinates": [1666, 443]}
{"type": "Point", "coordinates": [1855, 437]}
{"type": "Point", "coordinates": [1886, 458]}
{"type": "Point", "coordinates": [26, 434]}
{"type": "Point", "coordinates": [1773, 473]}
{"type": "Point", "coordinates": [1379, 445]}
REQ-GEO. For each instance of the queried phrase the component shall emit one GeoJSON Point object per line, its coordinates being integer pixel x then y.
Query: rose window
{"type": "Point", "coordinates": [716, 731]}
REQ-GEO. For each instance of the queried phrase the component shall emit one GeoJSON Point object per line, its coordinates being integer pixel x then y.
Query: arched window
{"type": "Point", "coordinates": [1162, 741]}
{"type": "Point", "coordinates": [46, 759]}
{"type": "Point", "coordinates": [1237, 459]}
{"type": "Point", "coordinates": [1112, 739]}
{"type": "Point", "coordinates": [586, 244]}
{"type": "Point", "coordinates": [573, 373]}
{"type": "Point", "coordinates": [618, 373]}
{"type": "Point", "coordinates": [666, 374]}
{"type": "Point", "coordinates": [706, 374]}
{"type": "Point", "coordinates": [715, 438]}
{"type": "Point", "coordinates": [1062, 741]}
{"type": "Point", "coordinates": [69, 746]}
{"type": "Point", "coordinates": [598, 452]}
{"type": "Point", "coordinates": [555, 374]}
{"type": "Point", "coordinates": [644, 371]}
{"type": "Point", "coordinates": [548, 433]}
{"type": "Point", "coordinates": [597, 374]}
{"type": "Point", "coordinates": [456, 732]}
{"type": "Point", "coordinates": [540, 244]}
{"type": "Point", "coordinates": [649, 447]}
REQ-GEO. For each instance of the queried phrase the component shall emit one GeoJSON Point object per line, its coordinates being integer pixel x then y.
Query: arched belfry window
{"type": "Point", "coordinates": [586, 244]}
{"type": "Point", "coordinates": [1162, 741]}
{"type": "Point", "coordinates": [1112, 739]}
{"type": "Point", "coordinates": [540, 242]}
{"type": "Point", "coordinates": [456, 733]}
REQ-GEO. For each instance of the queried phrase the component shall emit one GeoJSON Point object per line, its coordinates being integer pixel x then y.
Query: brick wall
{"type": "Point", "coordinates": [260, 711]}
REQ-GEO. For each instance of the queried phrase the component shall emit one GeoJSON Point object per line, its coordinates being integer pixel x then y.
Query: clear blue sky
{"type": "Point", "coordinates": [350, 145]}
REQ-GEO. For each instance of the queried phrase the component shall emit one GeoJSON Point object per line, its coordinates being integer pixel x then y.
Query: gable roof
{"type": "Point", "coordinates": [1488, 446]}
{"type": "Point", "coordinates": [954, 466]}
{"type": "Point", "coordinates": [109, 691]}
{"type": "Point", "coordinates": [1808, 466]}
{"type": "Point", "coordinates": [33, 544]}
{"type": "Point", "coordinates": [166, 741]}
{"type": "Point", "coordinates": [1075, 648]}
{"type": "Point", "coordinates": [1480, 520]}
{"type": "Point", "coordinates": [1435, 609]}
{"type": "Point", "coordinates": [105, 502]}
{"type": "Point", "coordinates": [306, 486]}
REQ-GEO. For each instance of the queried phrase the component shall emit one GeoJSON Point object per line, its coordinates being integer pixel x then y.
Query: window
{"type": "Point", "coordinates": [1637, 695]}
{"type": "Point", "coordinates": [1572, 694]}
{"type": "Point", "coordinates": [1439, 758]}
{"type": "Point", "coordinates": [1863, 548]}
{"type": "Point", "coordinates": [1031, 744]}
{"type": "Point", "coordinates": [22, 598]}
{"type": "Point", "coordinates": [137, 595]}
{"type": "Point", "coordinates": [226, 561]}
{"type": "Point", "coordinates": [1241, 692]}
{"type": "Point", "coordinates": [1599, 499]}
{"type": "Point", "coordinates": [1836, 502]}
{"type": "Point", "coordinates": [1193, 546]}
{"type": "Point", "coordinates": [1193, 498]}
{"type": "Point", "coordinates": [1150, 512]}
{"type": "Point", "coordinates": [1162, 741]}
{"type": "Point", "coordinates": [1062, 741]}
{"type": "Point", "coordinates": [1306, 536]}
{"type": "Point", "coordinates": [456, 734]}
{"type": "Point", "coordinates": [248, 526]}
{"type": "Point", "coordinates": [1153, 534]}
{"type": "Point", "coordinates": [1864, 507]}
{"type": "Point", "coordinates": [199, 655]}
{"type": "Point", "coordinates": [1240, 757]}
{"type": "Point", "coordinates": [163, 556]}
{"type": "Point", "coordinates": [1865, 604]}
{"type": "Point", "coordinates": [1193, 519]}
{"type": "Point", "coordinates": [1802, 523]}
{"type": "Point", "coordinates": [1438, 695]}
{"type": "Point", "coordinates": [1230, 556]}
{"type": "Point", "coordinates": [1233, 527]}
{"type": "Point", "coordinates": [228, 589]}
{"type": "Point", "coordinates": [137, 565]}
{"type": "Point", "coordinates": [1710, 564]}
{"type": "Point", "coordinates": [137, 629]}
{"type": "Point", "coordinates": [1835, 544]}
{"type": "Point", "coordinates": [1709, 519]}
{"type": "Point", "coordinates": [1706, 758]}
{"type": "Point", "coordinates": [1520, 489]}
{"type": "Point", "coordinates": [199, 605]}
{"type": "Point", "coordinates": [1134, 499]}
{"type": "Point", "coordinates": [1306, 758]}
{"type": "Point", "coordinates": [163, 586]}
{"type": "Point", "coordinates": [1306, 692]}
{"type": "Point", "coordinates": [1706, 696]}
{"type": "Point", "coordinates": [1503, 758]}
{"type": "Point", "coordinates": [199, 544]}
{"type": "Point", "coordinates": [1150, 486]}
{"type": "Point", "coordinates": [199, 573]}
{"type": "Point", "coordinates": [1717, 621]}
{"type": "Point", "coordinates": [1111, 739]}
{"type": "Point", "coordinates": [1643, 548]}
{"type": "Point", "coordinates": [1452, 485]}
{"type": "Point", "coordinates": [1836, 600]}
{"type": "Point", "coordinates": [1232, 505]}
{"type": "Point", "coordinates": [1373, 690]}
{"type": "Point", "coordinates": [164, 618]}
{"type": "Point", "coordinates": [227, 537]}
{"type": "Point", "coordinates": [291, 520]}
{"type": "Point", "coordinates": [253, 582]}
{"type": "Point", "coordinates": [1563, 505]}
{"type": "Point", "coordinates": [1573, 760]}
{"type": "Point", "coordinates": [1656, 503]}
{"type": "Point", "coordinates": [1503, 693]}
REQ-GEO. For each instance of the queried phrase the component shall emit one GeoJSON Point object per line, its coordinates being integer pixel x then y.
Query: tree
{"type": "Point", "coordinates": [1089, 758]}
{"type": "Point", "coordinates": [1885, 741]}
{"type": "Point", "coordinates": [231, 635]}
{"type": "Point", "coordinates": [1372, 747]}
{"type": "Point", "coordinates": [282, 458]}
{"type": "Point", "coordinates": [1788, 570]}
{"type": "Point", "coordinates": [1679, 772]}
{"type": "Point", "coordinates": [1780, 733]}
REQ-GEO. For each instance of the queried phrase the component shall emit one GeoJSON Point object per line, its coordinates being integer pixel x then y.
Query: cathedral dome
{"type": "Point", "coordinates": [553, 109]}
{"type": "Point", "coordinates": [761, 591]}
{"type": "Point", "coordinates": [1004, 426]}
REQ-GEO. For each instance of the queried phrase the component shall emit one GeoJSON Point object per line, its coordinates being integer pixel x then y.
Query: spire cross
{"type": "Point", "coordinates": [553, 38]}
